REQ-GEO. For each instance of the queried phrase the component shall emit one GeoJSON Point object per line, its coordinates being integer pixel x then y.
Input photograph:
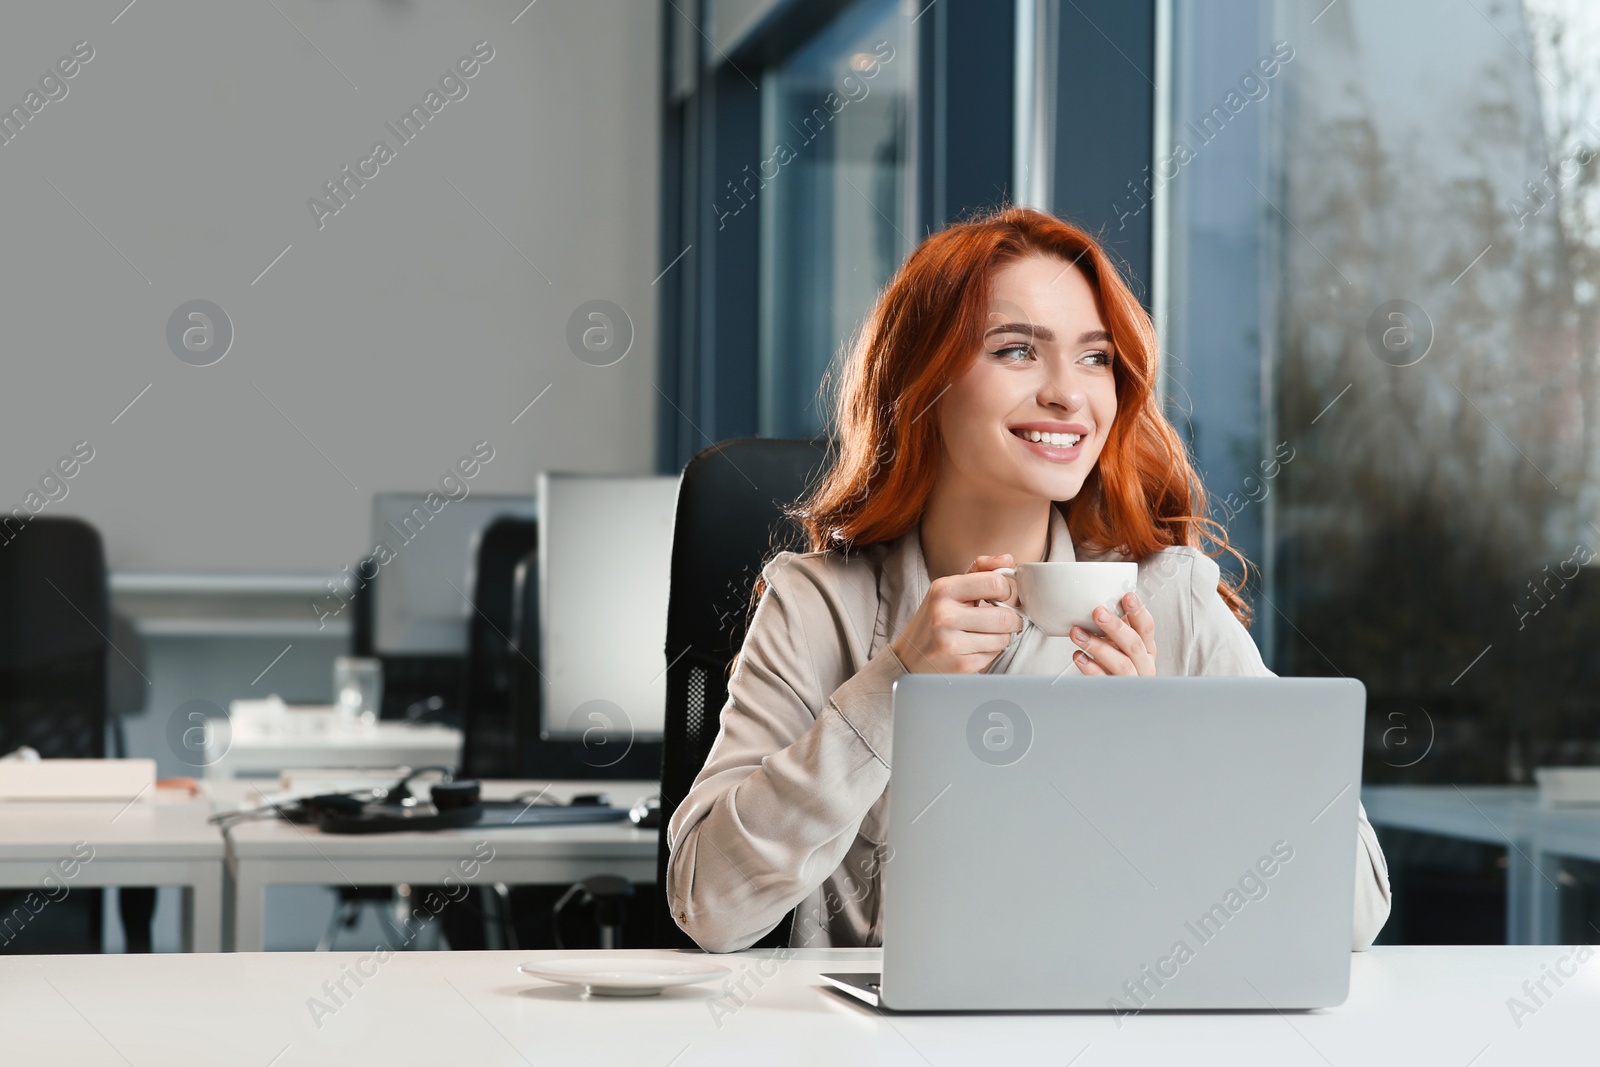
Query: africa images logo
{"type": "Point", "coordinates": [999, 732]}
{"type": "Point", "coordinates": [607, 732]}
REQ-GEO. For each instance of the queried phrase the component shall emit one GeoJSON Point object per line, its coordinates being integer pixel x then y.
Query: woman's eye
{"type": "Point", "coordinates": [1104, 357]}
{"type": "Point", "coordinates": [1010, 350]}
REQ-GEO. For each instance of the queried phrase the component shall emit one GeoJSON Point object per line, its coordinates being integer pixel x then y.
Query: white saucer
{"type": "Point", "coordinates": [624, 977]}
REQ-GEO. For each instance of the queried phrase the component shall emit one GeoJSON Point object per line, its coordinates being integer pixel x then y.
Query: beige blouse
{"type": "Point", "coordinates": [791, 808]}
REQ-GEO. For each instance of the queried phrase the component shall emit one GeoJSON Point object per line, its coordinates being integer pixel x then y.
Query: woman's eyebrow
{"type": "Point", "coordinates": [1043, 333]}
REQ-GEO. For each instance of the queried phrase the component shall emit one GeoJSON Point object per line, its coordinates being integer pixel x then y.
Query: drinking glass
{"type": "Point", "coordinates": [358, 688]}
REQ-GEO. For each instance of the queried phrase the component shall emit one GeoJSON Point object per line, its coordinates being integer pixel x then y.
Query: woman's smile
{"type": "Point", "coordinates": [1054, 442]}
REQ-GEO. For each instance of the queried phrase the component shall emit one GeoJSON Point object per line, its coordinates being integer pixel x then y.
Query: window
{"type": "Point", "coordinates": [834, 194]}
{"type": "Point", "coordinates": [808, 149]}
{"type": "Point", "coordinates": [1384, 225]}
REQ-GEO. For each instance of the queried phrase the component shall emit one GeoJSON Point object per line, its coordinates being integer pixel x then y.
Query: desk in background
{"type": "Point", "coordinates": [160, 839]}
{"type": "Point", "coordinates": [1535, 839]}
{"type": "Point", "coordinates": [274, 852]}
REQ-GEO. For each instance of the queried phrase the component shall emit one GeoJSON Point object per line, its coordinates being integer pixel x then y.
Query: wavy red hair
{"type": "Point", "coordinates": [1143, 494]}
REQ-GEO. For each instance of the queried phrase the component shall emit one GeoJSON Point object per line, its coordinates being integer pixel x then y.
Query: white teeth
{"type": "Point", "coordinates": [1055, 440]}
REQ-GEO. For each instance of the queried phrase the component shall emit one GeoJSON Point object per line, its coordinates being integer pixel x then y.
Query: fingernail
{"type": "Point", "coordinates": [1101, 614]}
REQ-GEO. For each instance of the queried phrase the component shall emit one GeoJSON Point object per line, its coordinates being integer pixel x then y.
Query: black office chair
{"type": "Point", "coordinates": [55, 624]}
{"type": "Point", "coordinates": [729, 523]}
{"type": "Point", "coordinates": [503, 724]}
{"type": "Point", "coordinates": [489, 749]}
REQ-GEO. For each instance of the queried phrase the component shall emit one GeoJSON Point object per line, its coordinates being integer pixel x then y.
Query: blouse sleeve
{"type": "Point", "coordinates": [797, 764]}
{"type": "Point", "coordinates": [1221, 645]}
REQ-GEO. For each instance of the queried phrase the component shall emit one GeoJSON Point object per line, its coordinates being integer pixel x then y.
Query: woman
{"type": "Point", "coordinates": [998, 408]}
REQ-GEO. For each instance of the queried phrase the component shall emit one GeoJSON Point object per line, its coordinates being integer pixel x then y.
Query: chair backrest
{"type": "Point", "coordinates": [729, 523]}
{"type": "Point", "coordinates": [55, 625]}
{"type": "Point", "coordinates": [488, 750]}
{"type": "Point", "coordinates": [363, 622]}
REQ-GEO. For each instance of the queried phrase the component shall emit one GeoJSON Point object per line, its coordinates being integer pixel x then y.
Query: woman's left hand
{"type": "Point", "coordinates": [1129, 644]}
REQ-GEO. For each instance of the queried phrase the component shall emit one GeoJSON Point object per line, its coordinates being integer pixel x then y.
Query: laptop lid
{"type": "Point", "coordinates": [1121, 843]}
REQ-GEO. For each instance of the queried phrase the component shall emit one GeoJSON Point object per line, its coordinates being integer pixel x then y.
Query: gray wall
{"type": "Point", "coordinates": [369, 357]}
{"type": "Point", "coordinates": [422, 317]}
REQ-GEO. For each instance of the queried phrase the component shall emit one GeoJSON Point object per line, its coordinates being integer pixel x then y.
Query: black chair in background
{"type": "Point", "coordinates": [55, 627]}
{"type": "Point", "coordinates": [729, 523]}
{"type": "Point", "coordinates": [583, 914]}
{"type": "Point", "coordinates": [489, 749]}
{"type": "Point", "coordinates": [611, 755]}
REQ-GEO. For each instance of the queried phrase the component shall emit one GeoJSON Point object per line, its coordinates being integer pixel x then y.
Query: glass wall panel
{"type": "Point", "coordinates": [1383, 337]}
{"type": "Point", "coordinates": [834, 196]}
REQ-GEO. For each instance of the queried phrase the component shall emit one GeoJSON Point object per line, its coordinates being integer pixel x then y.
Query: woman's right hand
{"type": "Point", "coordinates": [951, 632]}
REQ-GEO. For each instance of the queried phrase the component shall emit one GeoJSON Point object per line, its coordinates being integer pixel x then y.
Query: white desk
{"type": "Point", "coordinates": [275, 852]}
{"type": "Point", "coordinates": [1425, 1005]}
{"type": "Point", "coordinates": [246, 749]}
{"type": "Point", "coordinates": [1491, 815]}
{"type": "Point", "coordinates": [162, 839]}
{"type": "Point", "coordinates": [1535, 840]}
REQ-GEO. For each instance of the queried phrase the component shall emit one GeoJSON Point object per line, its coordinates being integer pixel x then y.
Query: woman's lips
{"type": "Point", "coordinates": [1051, 452]}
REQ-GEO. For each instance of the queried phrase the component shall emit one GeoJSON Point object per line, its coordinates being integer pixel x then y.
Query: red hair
{"type": "Point", "coordinates": [1143, 494]}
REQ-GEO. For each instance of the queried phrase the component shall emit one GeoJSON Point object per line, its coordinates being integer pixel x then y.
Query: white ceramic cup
{"type": "Point", "coordinates": [1055, 597]}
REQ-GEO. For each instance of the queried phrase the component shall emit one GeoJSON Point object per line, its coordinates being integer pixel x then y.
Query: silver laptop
{"type": "Point", "coordinates": [1119, 844]}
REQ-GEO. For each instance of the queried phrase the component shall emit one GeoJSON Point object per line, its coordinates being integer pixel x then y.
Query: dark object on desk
{"type": "Point", "coordinates": [729, 523]}
{"type": "Point", "coordinates": [54, 657]}
{"type": "Point", "coordinates": [449, 796]}
{"type": "Point", "coordinates": [376, 817]}
{"type": "Point", "coordinates": [519, 813]}
{"type": "Point", "coordinates": [451, 804]}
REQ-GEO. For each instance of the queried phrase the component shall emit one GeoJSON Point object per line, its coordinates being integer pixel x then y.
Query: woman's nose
{"type": "Point", "coordinates": [1061, 387]}
{"type": "Point", "coordinates": [1067, 396]}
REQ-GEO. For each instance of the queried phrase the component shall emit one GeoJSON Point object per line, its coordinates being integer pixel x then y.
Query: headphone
{"type": "Point", "coordinates": [452, 803]}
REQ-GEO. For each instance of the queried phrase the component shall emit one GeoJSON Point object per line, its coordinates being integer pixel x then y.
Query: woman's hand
{"type": "Point", "coordinates": [951, 632]}
{"type": "Point", "coordinates": [1129, 644]}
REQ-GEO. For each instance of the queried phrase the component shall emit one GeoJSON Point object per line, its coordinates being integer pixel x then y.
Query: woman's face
{"type": "Point", "coordinates": [1043, 370]}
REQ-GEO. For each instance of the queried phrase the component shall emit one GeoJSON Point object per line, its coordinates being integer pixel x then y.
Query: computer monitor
{"type": "Point", "coordinates": [422, 600]}
{"type": "Point", "coordinates": [605, 563]}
